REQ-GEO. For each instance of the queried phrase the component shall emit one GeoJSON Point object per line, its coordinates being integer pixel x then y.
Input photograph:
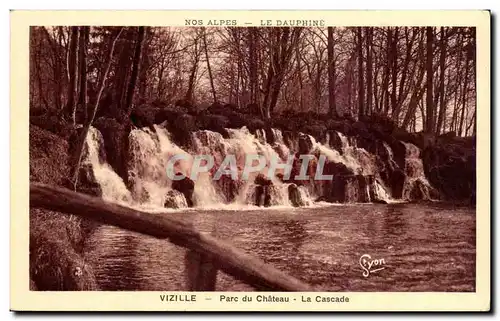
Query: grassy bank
{"type": "Point", "coordinates": [57, 240]}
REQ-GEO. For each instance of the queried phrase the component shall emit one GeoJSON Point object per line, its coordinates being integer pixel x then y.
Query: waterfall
{"type": "Point", "coordinates": [112, 186]}
{"type": "Point", "coordinates": [381, 193]}
{"type": "Point", "coordinates": [148, 154]}
{"type": "Point", "coordinates": [305, 196]}
{"type": "Point", "coordinates": [358, 160]}
{"type": "Point", "coordinates": [416, 184]}
{"type": "Point", "coordinates": [279, 144]}
{"type": "Point", "coordinates": [241, 143]}
{"type": "Point", "coordinates": [147, 184]}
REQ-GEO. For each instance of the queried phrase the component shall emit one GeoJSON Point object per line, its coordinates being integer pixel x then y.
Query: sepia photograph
{"type": "Point", "coordinates": [284, 156]}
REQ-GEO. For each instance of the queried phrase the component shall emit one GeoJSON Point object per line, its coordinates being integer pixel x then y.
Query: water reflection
{"type": "Point", "coordinates": [426, 248]}
{"type": "Point", "coordinates": [395, 222]}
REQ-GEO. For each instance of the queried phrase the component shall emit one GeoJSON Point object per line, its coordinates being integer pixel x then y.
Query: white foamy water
{"type": "Point", "coordinates": [112, 185]}
{"type": "Point", "coordinates": [356, 159]}
{"type": "Point", "coordinates": [150, 150]}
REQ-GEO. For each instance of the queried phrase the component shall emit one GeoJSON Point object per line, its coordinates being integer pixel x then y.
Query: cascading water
{"type": "Point", "coordinates": [150, 187]}
{"type": "Point", "coordinates": [415, 175]}
{"type": "Point", "coordinates": [148, 154]}
{"type": "Point", "coordinates": [112, 186]}
{"type": "Point", "coordinates": [357, 160]}
{"type": "Point", "coordinates": [279, 144]}
{"type": "Point", "coordinates": [240, 144]}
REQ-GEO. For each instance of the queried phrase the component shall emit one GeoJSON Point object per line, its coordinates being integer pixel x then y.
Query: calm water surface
{"type": "Point", "coordinates": [425, 248]}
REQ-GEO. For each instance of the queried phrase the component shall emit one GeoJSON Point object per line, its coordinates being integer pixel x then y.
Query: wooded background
{"type": "Point", "coordinates": [423, 78]}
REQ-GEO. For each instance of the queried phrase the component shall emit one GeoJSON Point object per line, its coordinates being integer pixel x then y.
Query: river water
{"type": "Point", "coordinates": [424, 247]}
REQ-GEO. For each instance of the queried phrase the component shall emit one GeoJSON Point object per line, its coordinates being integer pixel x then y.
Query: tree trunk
{"type": "Point", "coordinates": [83, 135]}
{"type": "Point", "coordinates": [122, 71]}
{"type": "Point", "coordinates": [135, 70]}
{"type": "Point", "coordinates": [457, 96]}
{"type": "Point", "coordinates": [388, 63]}
{"type": "Point", "coordinates": [208, 65]}
{"type": "Point", "coordinates": [394, 71]}
{"type": "Point", "coordinates": [332, 104]}
{"type": "Point", "coordinates": [72, 71]}
{"type": "Point", "coordinates": [369, 67]}
{"type": "Point", "coordinates": [192, 75]}
{"type": "Point", "coordinates": [430, 103]}
{"type": "Point", "coordinates": [442, 105]}
{"type": "Point", "coordinates": [143, 89]}
{"type": "Point", "coordinates": [464, 95]}
{"type": "Point", "coordinates": [39, 75]}
{"type": "Point", "coordinates": [252, 48]}
{"type": "Point", "coordinates": [82, 59]}
{"type": "Point", "coordinates": [418, 90]}
{"type": "Point", "coordinates": [361, 86]}
{"type": "Point", "coordinates": [299, 76]}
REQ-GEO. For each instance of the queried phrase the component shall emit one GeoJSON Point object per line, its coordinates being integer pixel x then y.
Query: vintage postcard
{"type": "Point", "coordinates": [250, 161]}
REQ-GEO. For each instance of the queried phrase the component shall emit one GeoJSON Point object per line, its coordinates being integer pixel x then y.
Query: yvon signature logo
{"type": "Point", "coordinates": [370, 265]}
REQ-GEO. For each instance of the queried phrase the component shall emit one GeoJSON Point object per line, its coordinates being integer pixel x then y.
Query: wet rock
{"type": "Point", "coordinates": [143, 116]}
{"type": "Point", "coordinates": [229, 187]}
{"type": "Point", "coordinates": [451, 168]}
{"type": "Point", "coordinates": [350, 189]}
{"type": "Point", "coordinates": [74, 138]}
{"type": "Point", "coordinates": [254, 124]}
{"type": "Point", "coordinates": [182, 128]}
{"type": "Point", "coordinates": [336, 169]}
{"type": "Point", "coordinates": [263, 195]}
{"type": "Point", "coordinates": [316, 130]}
{"type": "Point", "coordinates": [186, 187]}
{"type": "Point", "coordinates": [344, 189]}
{"type": "Point", "coordinates": [222, 109]}
{"type": "Point", "coordinates": [417, 191]}
{"type": "Point", "coordinates": [305, 144]}
{"type": "Point", "coordinates": [359, 129]}
{"type": "Point", "coordinates": [365, 185]}
{"type": "Point", "coordinates": [115, 136]}
{"type": "Point", "coordinates": [339, 126]}
{"type": "Point", "coordinates": [236, 120]}
{"type": "Point", "coordinates": [421, 139]}
{"type": "Point", "coordinates": [87, 182]}
{"type": "Point", "coordinates": [294, 196]}
{"type": "Point", "coordinates": [175, 199]}
{"type": "Point", "coordinates": [261, 179]}
{"type": "Point", "coordinates": [398, 178]}
{"type": "Point", "coordinates": [270, 137]}
{"type": "Point", "coordinates": [139, 193]}
{"type": "Point", "coordinates": [291, 139]}
{"type": "Point", "coordinates": [170, 113]}
{"type": "Point", "coordinates": [382, 122]}
{"type": "Point", "coordinates": [215, 123]}
{"type": "Point", "coordinates": [335, 141]}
